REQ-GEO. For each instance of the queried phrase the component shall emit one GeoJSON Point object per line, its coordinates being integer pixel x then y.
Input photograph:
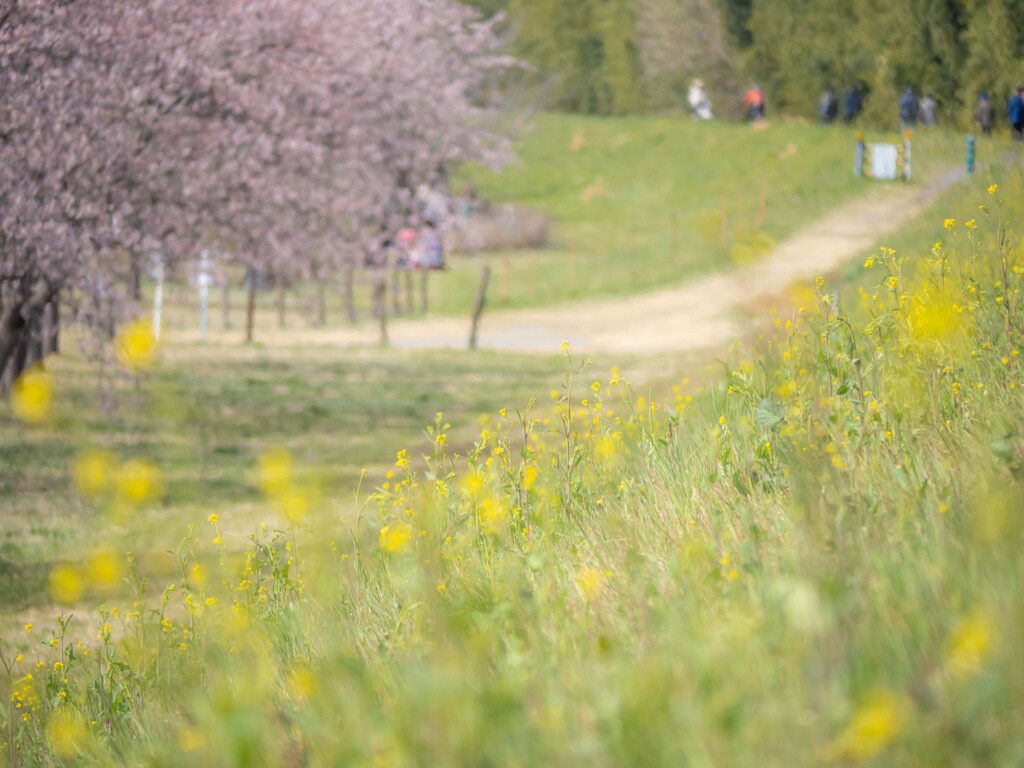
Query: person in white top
{"type": "Point", "coordinates": [700, 104]}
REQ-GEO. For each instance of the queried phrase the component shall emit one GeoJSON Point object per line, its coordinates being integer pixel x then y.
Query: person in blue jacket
{"type": "Point", "coordinates": [908, 110]}
{"type": "Point", "coordinates": [1015, 110]}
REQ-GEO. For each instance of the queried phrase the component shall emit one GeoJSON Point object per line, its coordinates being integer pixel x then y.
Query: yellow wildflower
{"type": "Point", "coordinates": [275, 472]}
{"type": "Point", "coordinates": [32, 395]}
{"type": "Point", "coordinates": [93, 472]}
{"type": "Point", "coordinates": [105, 571]}
{"type": "Point", "coordinates": [396, 537]}
{"type": "Point", "coordinates": [139, 481]}
{"type": "Point", "coordinates": [970, 643]}
{"type": "Point", "coordinates": [876, 723]}
{"type": "Point", "coordinates": [65, 584]}
{"type": "Point", "coordinates": [589, 581]}
{"type": "Point", "coordinates": [136, 346]}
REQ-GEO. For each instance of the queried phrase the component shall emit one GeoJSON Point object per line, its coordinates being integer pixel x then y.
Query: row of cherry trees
{"type": "Point", "coordinates": [283, 132]}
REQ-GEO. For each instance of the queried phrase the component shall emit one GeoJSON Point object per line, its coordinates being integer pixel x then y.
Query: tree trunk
{"type": "Point", "coordinates": [225, 305]}
{"type": "Point", "coordinates": [380, 303]}
{"type": "Point", "coordinates": [321, 304]}
{"type": "Point", "coordinates": [396, 297]}
{"type": "Point", "coordinates": [51, 327]}
{"type": "Point", "coordinates": [14, 330]}
{"type": "Point", "coordinates": [478, 308]}
{"type": "Point", "coordinates": [424, 274]}
{"type": "Point", "coordinates": [250, 308]}
{"type": "Point", "coordinates": [135, 274]}
{"type": "Point", "coordinates": [280, 304]}
{"type": "Point", "coordinates": [15, 362]}
{"type": "Point", "coordinates": [408, 291]}
{"type": "Point", "coordinates": [34, 338]}
{"type": "Point", "coordinates": [11, 326]}
{"type": "Point", "coordinates": [347, 293]}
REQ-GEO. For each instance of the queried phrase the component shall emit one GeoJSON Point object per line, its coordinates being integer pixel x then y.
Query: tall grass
{"type": "Point", "coordinates": [817, 562]}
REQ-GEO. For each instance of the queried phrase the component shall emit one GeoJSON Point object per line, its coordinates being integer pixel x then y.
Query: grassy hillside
{"type": "Point", "coordinates": [814, 561]}
{"type": "Point", "coordinates": [637, 202]}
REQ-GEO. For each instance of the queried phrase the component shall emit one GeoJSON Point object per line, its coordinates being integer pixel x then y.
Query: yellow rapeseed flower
{"type": "Point", "coordinates": [472, 484]}
{"type": "Point", "coordinates": [992, 189]}
{"type": "Point", "coordinates": [302, 683]}
{"type": "Point", "coordinates": [949, 224]}
{"type": "Point", "coordinates": [876, 723]}
{"type": "Point", "coordinates": [275, 472]}
{"type": "Point", "coordinates": [607, 448]}
{"type": "Point", "coordinates": [105, 571]}
{"type": "Point", "coordinates": [295, 506]}
{"type": "Point", "coordinates": [32, 395]}
{"type": "Point", "coordinates": [94, 471]}
{"type": "Point", "coordinates": [396, 537]}
{"type": "Point", "coordinates": [138, 481]}
{"type": "Point", "coordinates": [970, 644]}
{"type": "Point", "coordinates": [491, 513]}
{"type": "Point", "coordinates": [136, 346]}
{"type": "Point", "coordinates": [67, 732]}
{"type": "Point", "coordinates": [589, 581]}
{"type": "Point", "coordinates": [65, 584]}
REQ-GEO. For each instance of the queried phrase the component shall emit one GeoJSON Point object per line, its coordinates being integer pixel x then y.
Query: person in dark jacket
{"type": "Point", "coordinates": [1015, 111]}
{"type": "Point", "coordinates": [986, 114]}
{"type": "Point", "coordinates": [851, 104]}
{"type": "Point", "coordinates": [908, 110]}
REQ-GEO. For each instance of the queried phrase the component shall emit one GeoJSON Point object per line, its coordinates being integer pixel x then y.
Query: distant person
{"type": "Point", "coordinates": [852, 103]}
{"type": "Point", "coordinates": [908, 110]}
{"type": "Point", "coordinates": [986, 114]}
{"type": "Point", "coordinates": [754, 103]}
{"type": "Point", "coordinates": [700, 104]}
{"type": "Point", "coordinates": [928, 109]}
{"type": "Point", "coordinates": [828, 107]}
{"type": "Point", "coordinates": [1015, 110]}
{"type": "Point", "coordinates": [428, 253]}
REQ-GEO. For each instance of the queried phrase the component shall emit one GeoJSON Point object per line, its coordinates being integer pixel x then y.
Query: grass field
{"type": "Point", "coordinates": [640, 201]}
{"type": "Point", "coordinates": [638, 205]}
{"type": "Point", "coordinates": [811, 558]}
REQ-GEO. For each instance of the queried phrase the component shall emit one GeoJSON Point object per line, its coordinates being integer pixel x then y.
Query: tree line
{"type": "Point", "coordinates": [628, 56]}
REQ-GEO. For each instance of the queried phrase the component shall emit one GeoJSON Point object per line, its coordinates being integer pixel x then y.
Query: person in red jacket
{"type": "Point", "coordinates": [754, 102]}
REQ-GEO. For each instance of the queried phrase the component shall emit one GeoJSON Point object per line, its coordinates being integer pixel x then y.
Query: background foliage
{"type": "Point", "coordinates": [614, 56]}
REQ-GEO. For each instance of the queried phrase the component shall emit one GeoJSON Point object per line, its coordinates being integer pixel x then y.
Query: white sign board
{"type": "Point", "coordinates": [883, 161]}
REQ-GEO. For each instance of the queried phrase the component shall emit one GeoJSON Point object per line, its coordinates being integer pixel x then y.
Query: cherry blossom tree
{"type": "Point", "coordinates": [286, 129]}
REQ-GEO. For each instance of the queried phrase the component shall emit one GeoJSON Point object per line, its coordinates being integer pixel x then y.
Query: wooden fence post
{"type": "Point", "coordinates": [348, 293]}
{"type": "Point", "coordinates": [380, 303]}
{"type": "Point", "coordinates": [725, 223]}
{"type": "Point", "coordinates": [225, 305]}
{"type": "Point", "coordinates": [573, 277]}
{"type": "Point", "coordinates": [675, 236]}
{"type": "Point", "coordinates": [478, 307]}
{"type": "Point", "coordinates": [504, 277]}
{"type": "Point", "coordinates": [424, 273]}
{"type": "Point", "coordinates": [250, 307]}
{"type": "Point", "coordinates": [531, 278]}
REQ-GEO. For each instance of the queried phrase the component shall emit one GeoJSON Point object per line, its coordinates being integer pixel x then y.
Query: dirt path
{"type": "Point", "coordinates": [698, 315]}
{"type": "Point", "coordinates": [688, 318]}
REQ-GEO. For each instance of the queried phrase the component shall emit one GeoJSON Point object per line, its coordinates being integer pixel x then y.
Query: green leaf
{"type": "Point", "coordinates": [770, 414]}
